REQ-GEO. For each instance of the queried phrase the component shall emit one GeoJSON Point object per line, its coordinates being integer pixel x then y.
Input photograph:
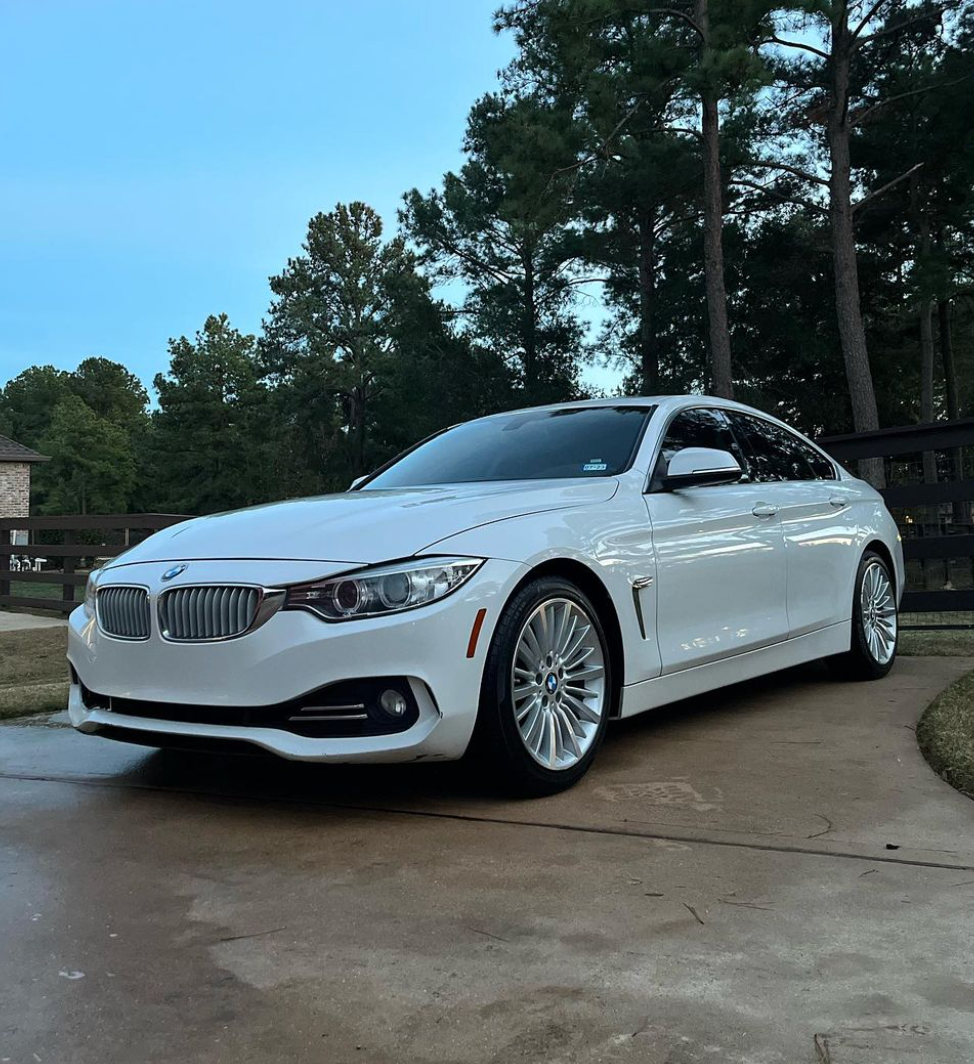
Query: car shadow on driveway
{"type": "Point", "coordinates": [256, 774]}
{"type": "Point", "coordinates": [796, 760]}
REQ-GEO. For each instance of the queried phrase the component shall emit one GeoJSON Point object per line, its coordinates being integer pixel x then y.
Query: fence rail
{"type": "Point", "coordinates": [931, 494]}
{"type": "Point", "coordinates": [23, 563]}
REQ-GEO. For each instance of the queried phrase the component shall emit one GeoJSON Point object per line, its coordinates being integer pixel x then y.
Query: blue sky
{"type": "Point", "coordinates": [159, 159]}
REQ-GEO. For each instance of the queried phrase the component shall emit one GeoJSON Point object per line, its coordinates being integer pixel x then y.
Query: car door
{"type": "Point", "coordinates": [720, 556]}
{"type": "Point", "coordinates": [813, 508]}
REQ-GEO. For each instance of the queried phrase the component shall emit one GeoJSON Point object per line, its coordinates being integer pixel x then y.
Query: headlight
{"type": "Point", "coordinates": [90, 595]}
{"type": "Point", "coordinates": [386, 589]}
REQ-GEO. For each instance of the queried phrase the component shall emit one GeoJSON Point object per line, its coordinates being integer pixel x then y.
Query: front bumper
{"type": "Point", "coordinates": [292, 654]}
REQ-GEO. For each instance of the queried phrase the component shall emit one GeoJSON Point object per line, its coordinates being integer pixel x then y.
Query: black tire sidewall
{"type": "Point", "coordinates": [497, 738]}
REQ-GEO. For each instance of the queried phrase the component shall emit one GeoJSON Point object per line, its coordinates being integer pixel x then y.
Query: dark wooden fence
{"type": "Point", "coordinates": [71, 547]}
{"type": "Point", "coordinates": [930, 492]}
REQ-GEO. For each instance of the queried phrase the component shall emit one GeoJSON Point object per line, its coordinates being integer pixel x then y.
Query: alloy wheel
{"type": "Point", "coordinates": [878, 612]}
{"type": "Point", "coordinates": [558, 683]}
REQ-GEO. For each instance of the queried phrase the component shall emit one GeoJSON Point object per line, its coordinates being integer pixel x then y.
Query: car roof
{"type": "Point", "coordinates": [665, 402]}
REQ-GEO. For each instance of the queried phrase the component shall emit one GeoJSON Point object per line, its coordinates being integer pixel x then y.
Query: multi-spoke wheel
{"type": "Point", "coordinates": [558, 683]}
{"type": "Point", "coordinates": [874, 622]}
{"type": "Point", "coordinates": [877, 611]}
{"type": "Point", "coordinates": [547, 690]}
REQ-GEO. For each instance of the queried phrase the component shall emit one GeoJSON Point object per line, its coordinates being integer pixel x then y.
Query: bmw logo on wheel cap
{"type": "Point", "coordinates": [551, 683]}
{"type": "Point", "coordinates": [171, 574]}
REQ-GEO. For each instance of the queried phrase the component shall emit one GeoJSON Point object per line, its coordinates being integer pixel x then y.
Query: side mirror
{"type": "Point", "coordinates": [358, 480]}
{"type": "Point", "coordinates": [694, 466]}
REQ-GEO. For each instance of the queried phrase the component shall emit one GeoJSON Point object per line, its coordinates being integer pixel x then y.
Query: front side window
{"type": "Point", "coordinates": [775, 453]}
{"type": "Point", "coordinates": [696, 428]}
{"type": "Point", "coordinates": [570, 442]}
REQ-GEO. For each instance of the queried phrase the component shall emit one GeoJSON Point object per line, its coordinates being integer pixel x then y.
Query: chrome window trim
{"type": "Point", "coordinates": [271, 599]}
{"type": "Point", "coordinates": [102, 631]}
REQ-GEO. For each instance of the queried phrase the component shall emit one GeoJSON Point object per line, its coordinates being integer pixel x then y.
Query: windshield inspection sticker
{"type": "Point", "coordinates": [594, 465]}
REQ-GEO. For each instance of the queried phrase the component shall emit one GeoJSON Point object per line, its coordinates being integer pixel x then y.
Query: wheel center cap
{"type": "Point", "coordinates": [551, 683]}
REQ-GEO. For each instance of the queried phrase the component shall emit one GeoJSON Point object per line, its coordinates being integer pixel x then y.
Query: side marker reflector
{"type": "Point", "coordinates": [478, 623]}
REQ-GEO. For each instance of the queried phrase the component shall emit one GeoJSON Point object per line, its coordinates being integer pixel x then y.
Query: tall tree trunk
{"type": "Point", "coordinates": [962, 510]}
{"type": "Point", "coordinates": [947, 354]}
{"type": "Point", "coordinates": [648, 353]}
{"type": "Point", "coordinates": [529, 338]}
{"type": "Point", "coordinates": [721, 372]}
{"type": "Point", "coordinates": [926, 352]}
{"type": "Point", "coordinates": [852, 333]}
{"type": "Point", "coordinates": [358, 429]}
{"type": "Point", "coordinates": [926, 383]}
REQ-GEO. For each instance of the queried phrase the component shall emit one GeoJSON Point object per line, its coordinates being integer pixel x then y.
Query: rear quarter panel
{"type": "Point", "coordinates": [871, 522]}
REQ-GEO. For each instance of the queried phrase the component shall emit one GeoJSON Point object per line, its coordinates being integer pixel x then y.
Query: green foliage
{"type": "Point", "coordinates": [499, 228]}
{"type": "Point", "coordinates": [212, 443]}
{"type": "Point", "coordinates": [111, 391]}
{"type": "Point", "coordinates": [60, 413]}
{"type": "Point", "coordinates": [360, 358]}
{"type": "Point", "coordinates": [28, 401]}
{"type": "Point", "coordinates": [92, 467]}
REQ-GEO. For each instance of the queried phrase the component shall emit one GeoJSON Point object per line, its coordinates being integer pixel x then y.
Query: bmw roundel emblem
{"type": "Point", "coordinates": [171, 574]}
{"type": "Point", "coordinates": [551, 683]}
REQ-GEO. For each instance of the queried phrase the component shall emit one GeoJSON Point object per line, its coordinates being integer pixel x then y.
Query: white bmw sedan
{"type": "Point", "coordinates": [503, 590]}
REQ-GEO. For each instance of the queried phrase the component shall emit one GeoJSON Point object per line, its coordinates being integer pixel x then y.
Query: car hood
{"type": "Point", "coordinates": [361, 527]}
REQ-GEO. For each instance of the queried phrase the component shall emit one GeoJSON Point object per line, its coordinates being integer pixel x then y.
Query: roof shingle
{"type": "Point", "coordinates": [11, 451]}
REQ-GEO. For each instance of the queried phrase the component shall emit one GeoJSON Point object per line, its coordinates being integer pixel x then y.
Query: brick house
{"type": "Point", "coordinates": [15, 463]}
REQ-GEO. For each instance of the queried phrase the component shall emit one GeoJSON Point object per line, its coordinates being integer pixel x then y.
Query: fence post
{"type": "Point", "coordinates": [68, 569]}
{"type": "Point", "coordinates": [5, 566]}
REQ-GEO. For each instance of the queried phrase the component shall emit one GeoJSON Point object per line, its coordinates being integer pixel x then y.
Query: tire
{"type": "Point", "coordinates": [560, 730]}
{"type": "Point", "coordinates": [875, 627]}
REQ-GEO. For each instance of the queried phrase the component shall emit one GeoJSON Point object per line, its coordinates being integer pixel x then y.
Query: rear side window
{"type": "Point", "coordinates": [774, 453]}
{"type": "Point", "coordinates": [822, 467]}
{"type": "Point", "coordinates": [696, 428]}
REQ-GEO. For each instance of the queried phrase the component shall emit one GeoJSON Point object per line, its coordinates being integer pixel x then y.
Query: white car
{"type": "Point", "coordinates": [503, 589]}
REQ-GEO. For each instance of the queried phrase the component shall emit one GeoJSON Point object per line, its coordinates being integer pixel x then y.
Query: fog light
{"type": "Point", "coordinates": [393, 703]}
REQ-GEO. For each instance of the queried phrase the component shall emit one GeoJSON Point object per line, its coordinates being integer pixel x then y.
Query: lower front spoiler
{"type": "Point", "coordinates": [421, 742]}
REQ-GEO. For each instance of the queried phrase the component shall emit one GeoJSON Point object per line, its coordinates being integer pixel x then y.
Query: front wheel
{"type": "Point", "coordinates": [875, 626]}
{"type": "Point", "coordinates": [547, 691]}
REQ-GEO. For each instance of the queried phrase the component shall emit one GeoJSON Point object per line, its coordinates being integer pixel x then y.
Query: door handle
{"type": "Point", "coordinates": [764, 509]}
{"type": "Point", "coordinates": [837, 501]}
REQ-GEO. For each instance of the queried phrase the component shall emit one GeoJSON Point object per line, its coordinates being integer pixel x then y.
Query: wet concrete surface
{"type": "Point", "coordinates": [738, 876]}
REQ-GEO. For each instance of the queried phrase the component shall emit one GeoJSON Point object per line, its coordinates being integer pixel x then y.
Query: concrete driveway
{"type": "Point", "coordinates": [768, 875]}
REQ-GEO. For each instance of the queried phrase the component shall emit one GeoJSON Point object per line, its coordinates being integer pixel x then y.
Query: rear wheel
{"type": "Point", "coordinates": [547, 690]}
{"type": "Point", "coordinates": [875, 627]}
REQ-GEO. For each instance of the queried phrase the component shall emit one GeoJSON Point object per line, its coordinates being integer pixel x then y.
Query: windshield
{"type": "Point", "coordinates": [594, 441]}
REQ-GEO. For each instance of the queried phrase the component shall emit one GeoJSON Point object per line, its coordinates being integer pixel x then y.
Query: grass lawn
{"type": "Point", "coordinates": [955, 644]}
{"type": "Point", "coordinates": [33, 671]}
{"type": "Point", "coordinates": [31, 590]}
{"type": "Point", "coordinates": [946, 735]}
